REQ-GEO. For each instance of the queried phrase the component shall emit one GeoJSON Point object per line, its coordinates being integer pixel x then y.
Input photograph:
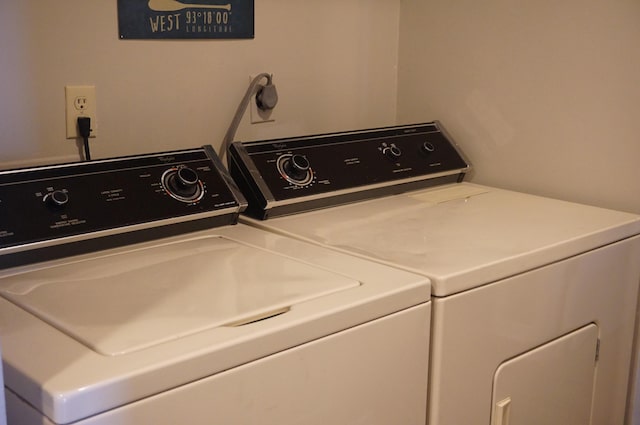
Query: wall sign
{"type": "Point", "coordinates": [185, 19]}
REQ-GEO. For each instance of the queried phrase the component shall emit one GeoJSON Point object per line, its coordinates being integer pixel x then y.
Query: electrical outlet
{"type": "Point", "coordinates": [80, 102]}
{"type": "Point", "coordinates": [258, 115]}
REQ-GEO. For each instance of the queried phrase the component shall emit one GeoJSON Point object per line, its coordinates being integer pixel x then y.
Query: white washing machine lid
{"type": "Point", "coordinates": [91, 333]}
{"type": "Point", "coordinates": [119, 303]}
{"type": "Point", "coordinates": [462, 235]}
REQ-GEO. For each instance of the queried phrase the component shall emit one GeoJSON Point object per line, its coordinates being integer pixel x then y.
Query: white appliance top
{"type": "Point", "coordinates": [102, 330]}
{"type": "Point", "coordinates": [461, 235]}
{"type": "Point", "coordinates": [115, 305]}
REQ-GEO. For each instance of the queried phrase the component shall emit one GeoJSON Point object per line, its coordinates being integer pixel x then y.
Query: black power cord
{"type": "Point", "coordinates": [84, 127]}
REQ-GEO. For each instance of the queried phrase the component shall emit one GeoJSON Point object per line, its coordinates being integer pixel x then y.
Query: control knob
{"type": "Point", "coordinates": [296, 167]}
{"type": "Point", "coordinates": [183, 184]}
{"type": "Point", "coordinates": [185, 181]}
{"type": "Point", "coordinates": [56, 198]}
{"type": "Point", "coordinates": [392, 151]}
{"type": "Point", "coordinates": [427, 148]}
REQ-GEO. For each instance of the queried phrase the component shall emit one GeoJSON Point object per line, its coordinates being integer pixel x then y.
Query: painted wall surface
{"type": "Point", "coordinates": [334, 63]}
{"type": "Point", "coordinates": [543, 96]}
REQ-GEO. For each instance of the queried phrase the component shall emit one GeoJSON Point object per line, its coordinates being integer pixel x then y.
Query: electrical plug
{"type": "Point", "coordinates": [267, 97]}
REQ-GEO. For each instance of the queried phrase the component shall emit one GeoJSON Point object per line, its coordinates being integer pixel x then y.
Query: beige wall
{"type": "Point", "coordinates": [334, 63]}
{"type": "Point", "coordinates": [544, 96]}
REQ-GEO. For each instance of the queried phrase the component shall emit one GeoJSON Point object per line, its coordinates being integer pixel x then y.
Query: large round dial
{"type": "Point", "coordinates": [182, 183]}
{"type": "Point", "coordinates": [56, 198]}
{"type": "Point", "coordinates": [296, 169]}
{"type": "Point", "coordinates": [392, 151]}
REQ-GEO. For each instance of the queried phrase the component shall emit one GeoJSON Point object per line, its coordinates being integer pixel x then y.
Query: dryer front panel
{"type": "Point", "coordinates": [551, 384]}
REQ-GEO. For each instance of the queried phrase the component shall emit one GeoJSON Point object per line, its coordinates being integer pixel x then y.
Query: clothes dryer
{"type": "Point", "coordinates": [128, 295]}
{"type": "Point", "coordinates": [534, 299]}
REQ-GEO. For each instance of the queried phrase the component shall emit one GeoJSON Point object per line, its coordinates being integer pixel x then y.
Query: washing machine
{"type": "Point", "coordinates": [130, 295]}
{"type": "Point", "coordinates": [534, 299]}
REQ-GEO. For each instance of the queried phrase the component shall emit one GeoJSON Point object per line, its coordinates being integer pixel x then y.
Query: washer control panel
{"type": "Point", "coordinates": [295, 174]}
{"type": "Point", "coordinates": [68, 202]}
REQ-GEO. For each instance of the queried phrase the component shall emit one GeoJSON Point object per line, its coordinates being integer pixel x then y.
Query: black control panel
{"type": "Point", "coordinates": [47, 212]}
{"type": "Point", "coordinates": [285, 176]}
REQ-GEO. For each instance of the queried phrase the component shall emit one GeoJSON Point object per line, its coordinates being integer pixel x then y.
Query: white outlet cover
{"type": "Point", "coordinates": [80, 102]}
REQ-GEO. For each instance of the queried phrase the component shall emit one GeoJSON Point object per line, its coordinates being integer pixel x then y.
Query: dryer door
{"type": "Point", "coordinates": [552, 384]}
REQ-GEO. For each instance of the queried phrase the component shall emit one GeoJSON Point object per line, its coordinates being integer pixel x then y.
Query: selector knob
{"type": "Point", "coordinates": [297, 167]}
{"type": "Point", "coordinates": [392, 152]}
{"type": "Point", "coordinates": [183, 184]}
{"type": "Point", "coordinates": [427, 148]}
{"type": "Point", "coordinates": [56, 198]}
{"type": "Point", "coordinates": [186, 181]}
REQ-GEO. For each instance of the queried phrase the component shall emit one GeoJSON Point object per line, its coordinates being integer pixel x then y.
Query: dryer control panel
{"type": "Point", "coordinates": [59, 210]}
{"type": "Point", "coordinates": [290, 175]}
